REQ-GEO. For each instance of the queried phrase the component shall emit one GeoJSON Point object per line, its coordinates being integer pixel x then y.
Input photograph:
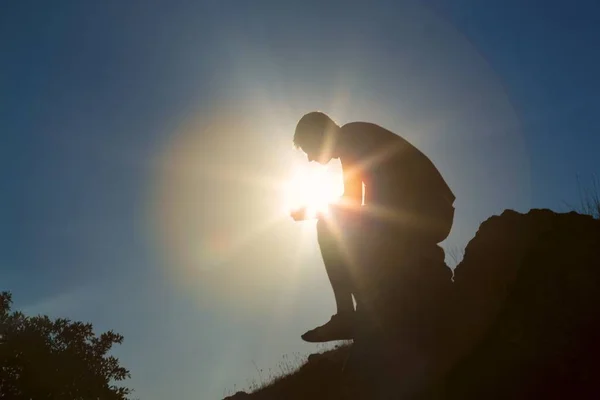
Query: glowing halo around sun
{"type": "Point", "coordinates": [312, 186]}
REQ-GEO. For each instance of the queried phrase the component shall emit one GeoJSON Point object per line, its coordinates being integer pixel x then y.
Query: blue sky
{"type": "Point", "coordinates": [140, 140]}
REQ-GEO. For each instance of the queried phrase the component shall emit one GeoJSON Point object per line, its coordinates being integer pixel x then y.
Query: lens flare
{"type": "Point", "coordinates": [312, 187]}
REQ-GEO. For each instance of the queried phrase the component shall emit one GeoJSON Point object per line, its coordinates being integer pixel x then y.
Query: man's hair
{"type": "Point", "coordinates": [312, 128]}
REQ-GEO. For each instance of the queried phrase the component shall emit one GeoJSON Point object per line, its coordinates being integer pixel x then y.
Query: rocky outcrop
{"type": "Point", "coordinates": [520, 320]}
{"type": "Point", "coordinates": [528, 304]}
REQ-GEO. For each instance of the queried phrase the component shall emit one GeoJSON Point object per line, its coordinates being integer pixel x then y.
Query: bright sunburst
{"type": "Point", "coordinates": [312, 186]}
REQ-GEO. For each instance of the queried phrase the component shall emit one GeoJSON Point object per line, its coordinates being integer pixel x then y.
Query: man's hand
{"type": "Point", "coordinates": [303, 214]}
{"type": "Point", "coordinates": [299, 214]}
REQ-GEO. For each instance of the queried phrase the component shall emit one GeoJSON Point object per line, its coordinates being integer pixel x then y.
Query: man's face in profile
{"type": "Point", "coordinates": [317, 156]}
{"type": "Point", "coordinates": [314, 152]}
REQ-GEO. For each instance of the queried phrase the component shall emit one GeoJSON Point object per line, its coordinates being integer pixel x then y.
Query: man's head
{"type": "Point", "coordinates": [316, 135]}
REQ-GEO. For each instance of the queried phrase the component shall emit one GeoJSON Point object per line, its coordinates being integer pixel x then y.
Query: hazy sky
{"type": "Point", "coordinates": [143, 145]}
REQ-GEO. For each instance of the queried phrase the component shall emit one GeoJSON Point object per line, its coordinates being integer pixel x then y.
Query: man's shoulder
{"type": "Point", "coordinates": [371, 135]}
{"type": "Point", "coordinates": [360, 126]}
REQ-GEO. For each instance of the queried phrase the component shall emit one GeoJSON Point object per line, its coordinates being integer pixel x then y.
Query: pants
{"type": "Point", "coordinates": [363, 252]}
{"type": "Point", "coordinates": [400, 318]}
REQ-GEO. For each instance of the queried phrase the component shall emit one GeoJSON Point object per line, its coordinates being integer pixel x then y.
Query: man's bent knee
{"type": "Point", "coordinates": [335, 229]}
{"type": "Point", "coordinates": [323, 229]}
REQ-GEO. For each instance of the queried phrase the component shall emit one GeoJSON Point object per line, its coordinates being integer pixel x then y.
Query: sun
{"type": "Point", "coordinates": [314, 187]}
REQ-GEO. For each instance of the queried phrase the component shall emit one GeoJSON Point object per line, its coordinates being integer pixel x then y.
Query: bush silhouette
{"type": "Point", "coordinates": [41, 358]}
{"type": "Point", "coordinates": [589, 198]}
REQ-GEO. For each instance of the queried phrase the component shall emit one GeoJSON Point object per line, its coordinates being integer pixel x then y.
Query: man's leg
{"type": "Point", "coordinates": [340, 327]}
{"type": "Point", "coordinates": [336, 267]}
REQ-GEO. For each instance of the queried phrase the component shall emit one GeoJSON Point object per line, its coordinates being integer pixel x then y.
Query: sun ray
{"type": "Point", "coordinates": [313, 188]}
{"type": "Point", "coordinates": [235, 174]}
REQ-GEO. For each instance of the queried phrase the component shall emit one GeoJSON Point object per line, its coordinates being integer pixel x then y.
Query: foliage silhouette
{"type": "Point", "coordinates": [41, 358]}
{"type": "Point", "coordinates": [589, 197]}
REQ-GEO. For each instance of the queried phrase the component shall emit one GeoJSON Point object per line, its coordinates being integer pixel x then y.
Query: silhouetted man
{"type": "Point", "coordinates": [407, 205]}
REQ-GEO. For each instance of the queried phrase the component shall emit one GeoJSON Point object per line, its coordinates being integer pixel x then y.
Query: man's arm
{"type": "Point", "coordinates": [353, 188]}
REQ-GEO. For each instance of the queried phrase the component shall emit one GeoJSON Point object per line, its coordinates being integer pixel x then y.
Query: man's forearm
{"type": "Point", "coordinates": [352, 197]}
{"type": "Point", "coordinates": [353, 184]}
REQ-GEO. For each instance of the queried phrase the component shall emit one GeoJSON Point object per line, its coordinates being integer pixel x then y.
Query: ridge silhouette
{"type": "Point", "coordinates": [520, 321]}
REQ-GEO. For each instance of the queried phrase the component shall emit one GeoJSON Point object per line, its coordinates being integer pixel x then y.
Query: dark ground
{"type": "Point", "coordinates": [520, 321]}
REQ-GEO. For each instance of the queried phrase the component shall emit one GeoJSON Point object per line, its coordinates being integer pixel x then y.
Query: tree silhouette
{"type": "Point", "coordinates": [42, 358]}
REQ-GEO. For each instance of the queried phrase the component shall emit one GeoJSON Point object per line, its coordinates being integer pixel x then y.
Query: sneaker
{"type": "Point", "coordinates": [339, 327]}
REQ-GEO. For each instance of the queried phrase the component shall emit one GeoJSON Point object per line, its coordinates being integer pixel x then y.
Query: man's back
{"type": "Point", "coordinates": [395, 172]}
